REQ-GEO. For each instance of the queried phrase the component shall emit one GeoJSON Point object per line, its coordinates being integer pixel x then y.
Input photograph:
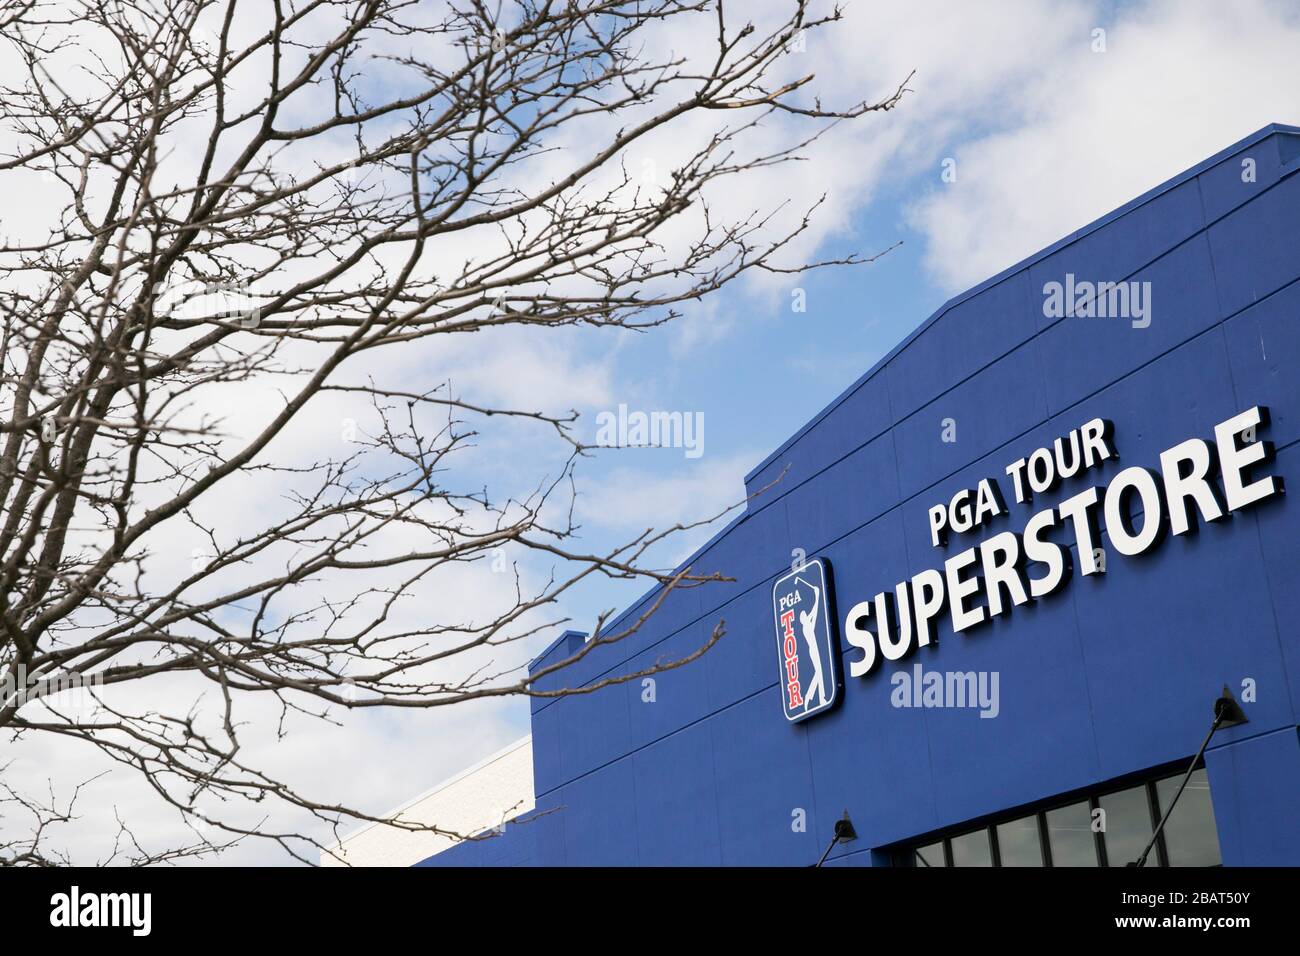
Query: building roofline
{"type": "Point", "coordinates": [1155, 192]}
{"type": "Point", "coordinates": [454, 778]}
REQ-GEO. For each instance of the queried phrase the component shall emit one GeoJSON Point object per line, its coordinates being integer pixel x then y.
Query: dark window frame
{"type": "Point", "coordinates": [1093, 799]}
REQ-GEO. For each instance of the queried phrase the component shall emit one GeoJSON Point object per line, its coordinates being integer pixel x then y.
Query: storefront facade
{"type": "Point", "coordinates": [988, 607]}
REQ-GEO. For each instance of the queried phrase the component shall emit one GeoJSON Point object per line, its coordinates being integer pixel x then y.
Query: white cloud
{"type": "Point", "coordinates": [632, 498]}
{"type": "Point", "coordinates": [1178, 81]}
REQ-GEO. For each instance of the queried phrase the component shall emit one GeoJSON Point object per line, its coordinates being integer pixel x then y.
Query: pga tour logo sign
{"type": "Point", "coordinates": [806, 648]}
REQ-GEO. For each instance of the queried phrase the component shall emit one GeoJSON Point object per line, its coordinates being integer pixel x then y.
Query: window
{"type": "Point", "coordinates": [931, 855]}
{"type": "Point", "coordinates": [1069, 832]}
{"type": "Point", "coordinates": [1189, 833]}
{"type": "Point", "coordinates": [972, 849]}
{"type": "Point", "coordinates": [1019, 842]}
{"type": "Point", "coordinates": [1109, 828]}
{"type": "Point", "coordinates": [1128, 824]}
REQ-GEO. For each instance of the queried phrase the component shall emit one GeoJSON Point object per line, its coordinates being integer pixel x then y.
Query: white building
{"type": "Point", "coordinates": [484, 796]}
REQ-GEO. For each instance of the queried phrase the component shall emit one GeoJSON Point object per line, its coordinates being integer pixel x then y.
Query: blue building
{"type": "Point", "coordinates": [987, 611]}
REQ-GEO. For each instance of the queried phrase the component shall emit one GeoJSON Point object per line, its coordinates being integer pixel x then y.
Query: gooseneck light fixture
{"type": "Point", "coordinates": [1227, 713]}
{"type": "Point", "coordinates": [843, 833]}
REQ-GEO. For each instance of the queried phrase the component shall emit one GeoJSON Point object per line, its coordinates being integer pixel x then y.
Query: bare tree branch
{"type": "Point", "coordinates": [258, 194]}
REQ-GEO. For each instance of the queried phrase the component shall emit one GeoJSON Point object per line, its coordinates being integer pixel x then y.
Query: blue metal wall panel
{"type": "Point", "coordinates": [769, 816]}
{"type": "Point", "coordinates": [1264, 354]}
{"type": "Point", "coordinates": [676, 801]}
{"type": "Point", "coordinates": [1080, 356]}
{"type": "Point", "coordinates": [741, 663]}
{"type": "Point", "coordinates": [599, 817]}
{"type": "Point", "coordinates": [883, 779]}
{"type": "Point", "coordinates": [593, 729]}
{"type": "Point", "coordinates": [863, 414]}
{"type": "Point", "coordinates": [848, 494]}
{"type": "Point", "coordinates": [665, 702]}
{"type": "Point", "coordinates": [1255, 250]}
{"type": "Point", "coordinates": [1228, 183]}
{"type": "Point", "coordinates": [1279, 540]}
{"type": "Point", "coordinates": [971, 336]}
{"type": "Point", "coordinates": [1129, 242]}
{"type": "Point", "coordinates": [1005, 400]}
{"type": "Point", "coordinates": [1253, 784]}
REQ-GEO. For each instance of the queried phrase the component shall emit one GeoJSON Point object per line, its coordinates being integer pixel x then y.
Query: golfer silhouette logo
{"type": "Point", "coordinates": [808, 624]}
{"type": "Point", "coordinates": [807, 649]}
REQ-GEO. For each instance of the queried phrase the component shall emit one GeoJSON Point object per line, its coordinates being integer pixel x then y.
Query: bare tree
{"type": "Point", "coordinates": [276, 192]}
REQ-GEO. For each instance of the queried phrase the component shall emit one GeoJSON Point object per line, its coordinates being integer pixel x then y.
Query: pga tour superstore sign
{"type": "Point", "coordinates": [1196, 480]}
